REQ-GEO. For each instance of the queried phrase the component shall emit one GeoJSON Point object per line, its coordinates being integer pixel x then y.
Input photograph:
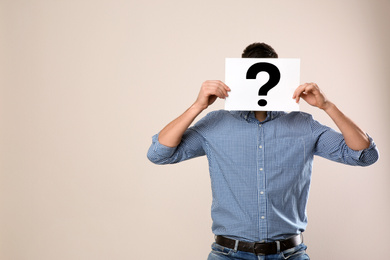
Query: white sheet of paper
{"type": "Point", "coordinates": [244, 94]}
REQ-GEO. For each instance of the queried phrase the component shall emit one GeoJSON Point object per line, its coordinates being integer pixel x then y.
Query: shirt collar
{"type": "Point", "coordinates": [250, 115]}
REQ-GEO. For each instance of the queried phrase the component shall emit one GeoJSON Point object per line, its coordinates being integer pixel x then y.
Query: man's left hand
{"type": "Point", "coordinates": [312, 94]}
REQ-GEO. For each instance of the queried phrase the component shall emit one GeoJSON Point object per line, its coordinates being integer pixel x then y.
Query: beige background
{"type": "Point", "coordinates": [85, 84]}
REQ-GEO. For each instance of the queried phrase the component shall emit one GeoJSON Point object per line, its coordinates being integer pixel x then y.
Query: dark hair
{"type": "Point", "coordinates": [259, 50]}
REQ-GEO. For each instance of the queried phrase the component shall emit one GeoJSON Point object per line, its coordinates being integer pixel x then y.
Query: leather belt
{"type": "Point", "coordinates": [260, 248]}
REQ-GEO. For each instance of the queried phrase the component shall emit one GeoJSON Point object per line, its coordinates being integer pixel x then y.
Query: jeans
{"type": "Point", "coordinates": [219, 252]}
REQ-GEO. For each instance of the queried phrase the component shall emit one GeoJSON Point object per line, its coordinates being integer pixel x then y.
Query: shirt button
{"type": "Point", "coordinates": [260, 146]}
{"type": "Point", "coordinates": [261, 169]}
{"type": "Point", "coordinates": [259, 125]}
{"type": "Point", "coordinates": [262, 217]}
{"type": "Point", "coordinates": [261, 192]}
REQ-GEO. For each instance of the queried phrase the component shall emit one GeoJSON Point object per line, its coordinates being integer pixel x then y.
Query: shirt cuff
{"type": "Point", "coordinates": [160, 149]}
{"type": "Point", "coordinates": [358, 154]}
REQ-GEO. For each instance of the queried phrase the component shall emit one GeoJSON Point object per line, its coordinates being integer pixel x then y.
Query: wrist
{"type": "Point", "coordinates": [328, 106]}
{"type": "Point", "coordinates": [197, 108]}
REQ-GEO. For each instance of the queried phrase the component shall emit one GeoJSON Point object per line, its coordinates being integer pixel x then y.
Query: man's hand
{"type": "Point", "coordinates": [209, 92]}
{"type": "Point", "coordinates": [312, 94]}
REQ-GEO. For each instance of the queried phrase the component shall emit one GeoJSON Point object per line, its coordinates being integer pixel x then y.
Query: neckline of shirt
{"type": "Point", "coordinates": [250, 116]}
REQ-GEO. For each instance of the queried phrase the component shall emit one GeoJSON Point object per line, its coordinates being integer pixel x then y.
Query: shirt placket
{"type": "Point", "coordinates": [261, 191]}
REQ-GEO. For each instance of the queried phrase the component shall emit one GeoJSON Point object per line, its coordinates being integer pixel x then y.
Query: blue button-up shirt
{"type": "Point", "coordinates": [260, 171]}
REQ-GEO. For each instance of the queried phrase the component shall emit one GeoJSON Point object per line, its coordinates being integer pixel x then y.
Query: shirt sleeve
{"type": "Point", "coordinates": [191, 146]}
{"type": "Point", "coordinates": [331, 145]}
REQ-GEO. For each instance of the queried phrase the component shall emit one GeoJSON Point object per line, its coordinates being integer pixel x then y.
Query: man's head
{"type": "Point", "coordinates": [259, 50]}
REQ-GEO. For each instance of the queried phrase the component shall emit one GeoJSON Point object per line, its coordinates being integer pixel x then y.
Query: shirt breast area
{"type": "Point", "coordinates": [285, 141]}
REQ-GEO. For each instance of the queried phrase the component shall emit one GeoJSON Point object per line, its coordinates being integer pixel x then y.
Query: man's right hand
{"type": "Point", "coordinates": [209, 92]}
{"type": "Point", "coordinates": [171, 134]}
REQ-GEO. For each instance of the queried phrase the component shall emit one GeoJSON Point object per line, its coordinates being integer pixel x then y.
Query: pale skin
{"type": "Point", "coordinates": [211, 90]}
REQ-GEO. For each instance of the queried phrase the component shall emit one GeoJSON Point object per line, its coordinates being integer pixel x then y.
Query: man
{"type": "Point", "coordinates": [260, 165]}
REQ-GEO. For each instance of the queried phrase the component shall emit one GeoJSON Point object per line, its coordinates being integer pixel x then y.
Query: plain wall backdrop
{"type": "Point", "coordinates": [85, 84]}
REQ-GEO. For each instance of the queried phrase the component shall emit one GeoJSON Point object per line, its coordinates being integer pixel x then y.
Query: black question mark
{"type": "Point", "coordinates": [274, 77]}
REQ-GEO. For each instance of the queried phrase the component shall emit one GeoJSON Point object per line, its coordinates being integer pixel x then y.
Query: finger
{"type": "Point", "coordinates": [298, 92]}
{"type": "Point", "coordinates": [311, 88]}
{"type": "Point", "coordinates": [217, 91]}
{"type": "Point", "coordinates": [225, 86]}
{"type": "Point", "coordinates": [221, 87]}
{"type": "Point", "coordinates": [217, 84]}
{"type": "Point", "coordinates": [220, 93]}
{"type": "Point", "coordinates": [224, 90]}
{"type": "Point", "coordinates": [221, 84]}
